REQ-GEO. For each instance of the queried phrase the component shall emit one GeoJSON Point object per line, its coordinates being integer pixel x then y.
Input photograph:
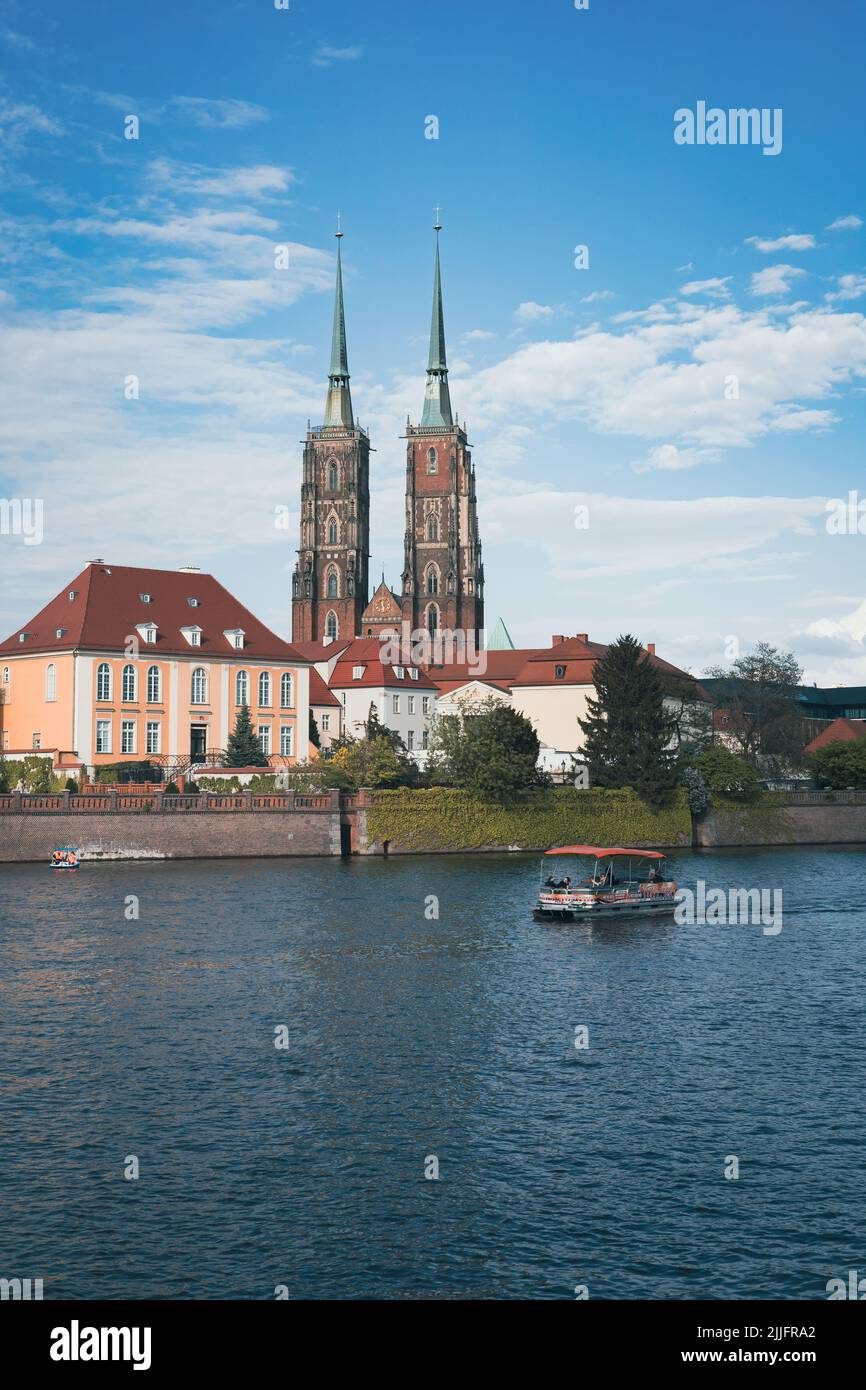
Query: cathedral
{"type": "Point", "coordinates": [442, 585]}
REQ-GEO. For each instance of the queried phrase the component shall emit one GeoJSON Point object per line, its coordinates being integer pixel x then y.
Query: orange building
{"type": "Point", "coordinates": [127, 664]}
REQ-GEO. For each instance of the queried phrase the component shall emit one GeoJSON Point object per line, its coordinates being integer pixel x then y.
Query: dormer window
{"type": "Point", "coordinates": [413, 672]}
{"type": "Point", "coordinates": [559, 672]}
{"type": "Point", "coordinates": [358, 673]}
{"type": "Point", "coordinates": [399, 672]}
{"type": "Point", "coordinates": [146, 631]}
{"type": "Point", "coordinates": [235, 637]}
{"type": "Point", "coordinates": [193, 602]}
{"type": "Point", "coordinates": [145, 598]}
{"type": "Point", "coordinates": [22, 636]}
{"type": "Point", "coordinates": [192, 635]}
{"type": "Point", "coordinates": [73, 595]}
{"type": "Point", "coordinates": [60, 632]}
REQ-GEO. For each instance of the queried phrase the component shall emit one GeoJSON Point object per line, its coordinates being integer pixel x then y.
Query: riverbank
{"type": "Point", "coordinates": [439, 820]}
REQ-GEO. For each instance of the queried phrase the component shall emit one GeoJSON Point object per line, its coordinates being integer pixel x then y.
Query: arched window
{"type": "Point", "coordinates": [242, 688]}
{"type": "Point", "coordinates": [128, 683]}
{"type": "Point", "coordinates": [332, 584]}
{"type": "Point", "coordinates": [5, 680]}
{"type": "Point", "coordinates": [331, 626]}
{"type": "Point", "coordinates": [153, 685]}
{"type": "Point", "coordinates": [332, 531]}
{"type": "Point", "coordinates": [432, 618]}
{"type": "Point", "coordinates": [432, 465]}
{"type": "Point", "coordinates": [287, 696]}
{"type": "Point", "coordinates": [432, 527]}
{"type": "Point", "coordinates": [103, 681]}
{"type": "Point", "coordinates": [432, 580]}
{"type": "Point", "coordinates": [265, 688]}
{"type": "Point", "coordinates": [50, 681]}
{"type": "Point", "coordinates": [333, 476]}
{"type": "Point", "coordinates": [199, 686]}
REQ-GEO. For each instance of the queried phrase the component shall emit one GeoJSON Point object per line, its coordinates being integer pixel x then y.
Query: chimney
{"type": "Point", "coordinates": [556, 639]}
{"type": "Point", "coordinates": [651, 648]}
{"type": "Point", "coordinates": [582, 637]}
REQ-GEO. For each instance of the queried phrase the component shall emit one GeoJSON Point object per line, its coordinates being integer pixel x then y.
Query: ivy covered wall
{"type": "Point", "coordinates": [444, 819]}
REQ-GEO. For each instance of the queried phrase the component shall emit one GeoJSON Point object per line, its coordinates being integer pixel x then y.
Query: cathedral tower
{"type": "Point", "coordinates": [443, 578]}
{"type": "Point", "coordinates": [329, 585]}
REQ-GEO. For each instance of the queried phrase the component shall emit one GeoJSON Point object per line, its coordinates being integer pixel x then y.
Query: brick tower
{"type": "Point", "coordinates": [443, 578]}
{"type": "Point", "coordinates": [330, 581]}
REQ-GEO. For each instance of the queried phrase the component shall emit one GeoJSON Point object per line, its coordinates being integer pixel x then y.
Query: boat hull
{"type": "Point", "coordinates": [623, 907]}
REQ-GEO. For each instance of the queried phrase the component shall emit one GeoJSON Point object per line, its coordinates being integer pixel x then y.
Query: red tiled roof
{"type": "Point", "coordinates": [840, 731]}
{"type": "Point", "coordinates": [367, 652]}
{"type": "Point", "coordinates": [319, 692]}
{"type": "Point", "coordinates": [578, 656]}
{"type": "Point", "coordinates": [108, 607]}
{"type": "Point", "coordinates": [496, 668]}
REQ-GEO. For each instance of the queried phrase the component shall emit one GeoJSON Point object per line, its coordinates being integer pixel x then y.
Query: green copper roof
{"type": "Point", "coordinates": [437, 397]}
{"type": "Point", "coordinates": [500, 639]}
{"type": "Point", "coordinates": [338, 406]}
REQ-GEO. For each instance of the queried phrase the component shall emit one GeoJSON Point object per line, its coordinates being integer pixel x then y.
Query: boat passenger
{"type": "Point", "coordinates": [655, 875]}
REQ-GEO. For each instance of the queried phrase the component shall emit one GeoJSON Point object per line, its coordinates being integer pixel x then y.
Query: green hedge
{"type": "Point", "coordinates": [444, 819]}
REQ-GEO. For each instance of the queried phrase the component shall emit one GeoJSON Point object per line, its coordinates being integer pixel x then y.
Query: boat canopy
{"type": "Point", "coordinates": [606, 853]}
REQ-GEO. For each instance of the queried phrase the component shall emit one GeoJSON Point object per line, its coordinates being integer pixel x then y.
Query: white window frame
{"type": "Point", "coordinates": [396, 705]}
{"type": "Point", "coordinates": [126, 683]}
{"type": "Point", "coordinates": [264, 735]}
{"type": "Point", "coordinates": [50, 683]}
{"type": "Point", "coordinates": [287, 740]}
{"type": "Point", "coordinates": [264, 690]}
{"type": "Point", "coordinates": [154, 686]}
{"type": "Point", "coordinates": [201, 685]}
{"type": "Point", "coordinates": [127, 728]}
{"type": "Point", "coordinates": [103, 682]}
{"type": "Point", "coordinates": [242, 688]}
{"type": "Point", "coordinates": [410, 701]}
{"type": "Point", "coordinates": [153, 744]}
{"type": "Point", "coordinates": [287, 684]}
{"type": "Point", "coordinates": [103, 734]}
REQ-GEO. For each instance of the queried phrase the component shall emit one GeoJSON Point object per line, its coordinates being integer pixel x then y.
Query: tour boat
{"type": "Point", "coordinates": [585, 881]}
{"type": "Point", "coordinates": [64, 859]}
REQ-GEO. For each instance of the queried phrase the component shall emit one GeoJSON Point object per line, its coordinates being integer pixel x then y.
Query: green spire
{"type": "Point", "coordinates": [500, 639]}
{"type": "Point", "coordinates": [338, 406]}
{"type": "Point", "coordinates": [437, 398]}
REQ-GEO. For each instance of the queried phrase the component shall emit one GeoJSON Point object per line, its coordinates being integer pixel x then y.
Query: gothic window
{"type": "Point", "coordinates": [331, 627]}
{"type": "Point", "coordinates": [333, 476]}
{"type": "Point", "coordinates": [432, 465]}
{"type": "Point", "coordinates": [332, 530]}
{"type": "Point", "coordinates": [432, 527]}
{"type": "Point", "coordinates": [332, 591]}
{"type": "Point", "coordinates": [432, 618]}
{"type": "Point", "coordinates": [431, 580]}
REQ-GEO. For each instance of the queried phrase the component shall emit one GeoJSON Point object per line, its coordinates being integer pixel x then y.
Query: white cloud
{"type": "Point", "coordinates": [253, 181]}
{"type": "Point", "coordinates": [850, 287]}
{"type": "Point", "coordinates": [716, 288]}
{"type": "Point", "coordinates": [478, 335]}
{"type": "Point", "coordinates": [850, 222]}
{"type": "Point", "coordinates": [792, 242]}
{"type": "Point", "coordinates": [596, 295]}
{"type": "Point", "coordinates": [670, 459]}
{"type": "Point", "coordinates": [529, 312]}
{"type": "Point", "coordinates": [325, 56]}
{"type": "Point", "coordinates": [18, 119]}
{"type": "Point", "coordinates": [776, 279]}
{"type": "Point", "coordinates": [223, 113]}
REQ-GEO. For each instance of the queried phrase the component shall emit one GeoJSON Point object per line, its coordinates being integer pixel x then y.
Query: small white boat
{"type": "Point", "coordinates": [586, 881]}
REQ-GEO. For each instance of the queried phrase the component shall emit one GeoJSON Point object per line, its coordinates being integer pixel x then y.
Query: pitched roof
{"type": "Point", "coordinates": [108, 607]}
{"type": "Point", "coordinates": [840, 731]}
{"type": "Point", "coordinates": [367, 652]}
{"type": "Point", "coordinates": [384, 606]}
{"type": "Point", "coordinates": [500, 638]}
{"type": "Point", "coordinates": [319, 692]}
{"type": "Point", "coordinates": [578, 656]}
{"type": "Point", "coordinates": [497, 668]}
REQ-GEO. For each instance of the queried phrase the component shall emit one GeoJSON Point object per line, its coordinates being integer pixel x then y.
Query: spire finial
{"type": "Point", "coordinates": [338, 407]}
{"type": "Point", "coordinates": [437, 400]}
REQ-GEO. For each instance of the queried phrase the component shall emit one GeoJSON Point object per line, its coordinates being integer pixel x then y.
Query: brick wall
{"type": "Point", "coordinates": [268, 834]}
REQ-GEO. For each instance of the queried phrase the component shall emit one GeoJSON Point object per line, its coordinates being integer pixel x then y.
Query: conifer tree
{"type": "Point", "coordinates": [627, 732]}
{"type": "Point", "coordinates": [244, 749]}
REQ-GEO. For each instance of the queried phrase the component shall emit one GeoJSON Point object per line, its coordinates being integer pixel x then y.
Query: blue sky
{"type": "Point", "coordinates": [601, 388]}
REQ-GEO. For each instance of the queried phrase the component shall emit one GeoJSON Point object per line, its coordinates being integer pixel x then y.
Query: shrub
{"type": "Point", "coordinates": [727, 773]}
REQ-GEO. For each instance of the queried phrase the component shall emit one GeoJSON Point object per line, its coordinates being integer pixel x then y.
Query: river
{"type": "Point", "coordinates": [415, 1041]}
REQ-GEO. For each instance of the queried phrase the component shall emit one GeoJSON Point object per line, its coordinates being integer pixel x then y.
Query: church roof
{"type": "Point", "coordinates": [437, 397]}
{"type": "Point", "coordinates": [384, 606]}
{"type": "Point", "coordinates": [500, 638]}
{"type": "Point", "coordinates": [338, 406]}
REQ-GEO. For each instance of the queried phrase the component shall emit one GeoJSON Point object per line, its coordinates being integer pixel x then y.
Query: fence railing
{"type": "Point", "coordinates": [143, 803]}
{"type": "Point", "coordinates": [848, 797]}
